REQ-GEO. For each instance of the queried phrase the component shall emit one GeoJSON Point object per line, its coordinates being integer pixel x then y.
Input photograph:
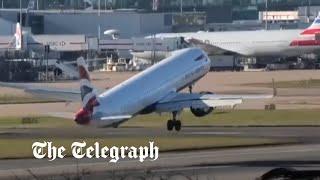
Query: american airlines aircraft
{"type": "Point", "coordinates": [154, 90]}
{"type": "Point", "coordinates": [284, 43]}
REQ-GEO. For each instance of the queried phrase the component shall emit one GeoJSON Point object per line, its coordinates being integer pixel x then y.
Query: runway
{"type": "Point", "coordinates": [247, 163]}
{"type": "Point", "coordinates": [243, 163]}
{"type": "Point", "coordinates": [301, 134]}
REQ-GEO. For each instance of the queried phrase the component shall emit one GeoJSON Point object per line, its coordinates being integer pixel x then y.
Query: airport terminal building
{"type": "Point", "coordinates": [146, 17]}
{"type": "Point", "coordinates": [93, 23]}
{"type": "Point", "coordinates": [75, 27]}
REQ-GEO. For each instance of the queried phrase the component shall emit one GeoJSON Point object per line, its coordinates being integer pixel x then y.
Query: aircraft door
{"type": "Point", "coordinates": [317, 36]}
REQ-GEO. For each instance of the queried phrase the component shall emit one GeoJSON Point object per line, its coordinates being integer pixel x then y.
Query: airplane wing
{"type": "Point", "coordinates": [181, 101]}
{"type": "Point", "coordinates": [68, 95]}
{"type": "Point", "coordinates": [207, 47]}
{"type": "Point", "coordinates": [46, 92]}
{"type": "Point", "coordinates": [218, 49]}
{"type": "Point", "coordinates": [193, 39]}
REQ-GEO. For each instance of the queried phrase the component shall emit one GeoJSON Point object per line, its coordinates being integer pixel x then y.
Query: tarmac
{"type": "Point", "coordinates": [242, 163]}
{"type": "Point", "coordinates": [302, 134]}
{"type": "Point", "coordinates": [217, 82]}
{"type": "Point", "coordinates": [226, 163]}
{"type": "Point", "coordinates": [235, 163]}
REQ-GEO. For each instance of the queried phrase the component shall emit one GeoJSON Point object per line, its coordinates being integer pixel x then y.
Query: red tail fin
{"type": "Point", "coordinates": [314, 28]}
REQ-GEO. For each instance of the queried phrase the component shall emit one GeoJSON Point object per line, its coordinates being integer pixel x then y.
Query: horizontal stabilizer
{"type": "Point", "coordinates": [119, 117]}
{"type": "Point", "coordinates": [46, 92]}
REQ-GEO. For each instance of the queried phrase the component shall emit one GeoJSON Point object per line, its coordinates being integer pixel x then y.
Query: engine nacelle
{"type": "Point", "coordinates": [200, 112]}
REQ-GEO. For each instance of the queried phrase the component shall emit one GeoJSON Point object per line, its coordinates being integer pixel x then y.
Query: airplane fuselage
{"type": "Point", "coordinates": [152, 85]}
{"type": "Point", "coordinates": [252, 43]}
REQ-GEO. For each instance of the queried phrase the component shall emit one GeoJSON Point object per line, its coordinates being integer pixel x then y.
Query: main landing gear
{"type": "Point", "coordinates": [190, 89]}
{"type": "Point", "coordinates": [174, 123]}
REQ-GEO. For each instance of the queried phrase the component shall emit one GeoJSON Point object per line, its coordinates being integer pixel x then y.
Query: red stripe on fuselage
{"type": "Point", "coordinates": [305, 43]}
{"type": "Point", "coordinates": [310, 31]}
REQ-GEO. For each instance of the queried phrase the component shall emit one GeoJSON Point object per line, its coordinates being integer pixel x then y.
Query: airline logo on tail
{"type": "Point", "coordinates": [88, 95]}
{"type": "Point", "coordinates": [314, 28]}
{"type": "Point", "coordinates": [18, 37]}
{"type": "Point", "coordinates": [87, 90]}
{"type": "Point", "coordinates": [309, 36]}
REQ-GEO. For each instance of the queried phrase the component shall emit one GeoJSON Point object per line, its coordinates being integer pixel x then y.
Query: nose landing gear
{"type": "Point", "coordinates": [174, 123]}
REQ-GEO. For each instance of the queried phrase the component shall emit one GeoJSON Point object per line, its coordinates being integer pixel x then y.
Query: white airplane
{"type": "Point", "coordinates": [23, 40]}
{"type": "Point", "coordinates": [154, 90]}
{"type": "Point", "coordinates": [284, 43]}
{"type": "Point", "coordinates": [12, 42]}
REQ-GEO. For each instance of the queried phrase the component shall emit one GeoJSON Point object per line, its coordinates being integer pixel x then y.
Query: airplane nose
{"type": "Point", "coordinates": [83, 117]}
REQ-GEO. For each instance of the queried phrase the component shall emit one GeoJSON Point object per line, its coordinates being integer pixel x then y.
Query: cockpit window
{"type": "Point", "coordinates": [199, 58]}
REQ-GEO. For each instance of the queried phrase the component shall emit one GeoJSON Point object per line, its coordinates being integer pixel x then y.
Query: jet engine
{"type": "Point", "coordinates": [200, 112]}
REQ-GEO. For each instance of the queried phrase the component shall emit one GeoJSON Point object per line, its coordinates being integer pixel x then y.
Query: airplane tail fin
{"type": "Point", "coordinates": [88, 92]}
{"type": "Point", "coordinates": [314, 28]}
{"type": "Point", "coordinates": [18, 37]}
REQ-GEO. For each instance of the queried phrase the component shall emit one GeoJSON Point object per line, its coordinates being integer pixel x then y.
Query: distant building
{"type": "Point", "coordinates": [279, 16]}
{"type": "Point", "coordinates": [308, 13]}
{"type": "Point", "coordinates": [163, 5]}
{"type": "Point", "coordinates": [93, 23]}
{"type": "Point", "coordinates": [7, 27]}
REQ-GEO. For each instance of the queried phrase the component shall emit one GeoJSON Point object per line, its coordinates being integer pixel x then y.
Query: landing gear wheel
{"type": "Point", "coordinates": [174, 123]}
{"type": "Point", "coordinates": [115, 125]}
{"type": "Point", "coordinates": [170, 125]}
{"type": "Point", "coordinates": [177, 125]}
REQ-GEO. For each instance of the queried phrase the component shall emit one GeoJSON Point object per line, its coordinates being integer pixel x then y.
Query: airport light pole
{"type": "Point", "coordinates": [46, 54]}
{"type": "Point", "coordinates": [308, 11]}
{"type": "Point", "coordinates": [99, 13]}
{"type": "Point", "coordinates": [20, 13]}
{"type": "Point", "coordinates": [266, 20]}
{"type": "Point", "coordinates": [99, 7]}
{"type": "Point", "coordinates": [181, 7]}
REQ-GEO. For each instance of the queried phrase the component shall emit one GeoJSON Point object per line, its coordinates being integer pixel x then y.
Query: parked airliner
{"type": "Point", "coordinates": [155, 89]}
{"type": "Point", "coordinates": [24, 40]}
{"type": "Point", "coordinates": [283, 43]}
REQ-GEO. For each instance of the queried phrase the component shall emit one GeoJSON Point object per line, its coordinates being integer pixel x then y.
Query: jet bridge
{"type": "Point", "coordinates": [149, 49]}
{"type": "Point", "coordinates": [5, 43]}
{"type": "Point", "coordinates": [141, 44]}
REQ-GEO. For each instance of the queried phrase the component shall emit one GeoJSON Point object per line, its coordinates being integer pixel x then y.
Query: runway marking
{"type": "Point", "coordinates": [213, 133]}
{"type": "Point", "coordinates": [215, 154]}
